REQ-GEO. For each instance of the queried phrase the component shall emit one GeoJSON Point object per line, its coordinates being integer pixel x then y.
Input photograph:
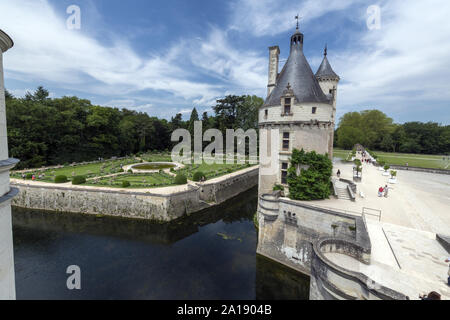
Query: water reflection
{"type": "Point", "coordinates": [208, 255]}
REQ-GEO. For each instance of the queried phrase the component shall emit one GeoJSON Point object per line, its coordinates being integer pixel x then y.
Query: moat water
{"type": "Point", "coordinates": [208, 255]}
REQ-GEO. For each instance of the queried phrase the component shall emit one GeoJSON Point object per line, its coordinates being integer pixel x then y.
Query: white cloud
{"type": "Point", "coordinates": [269, 17]}
{"type": "Point", "coordinates": [403, 67]}
{"type": "Point", "coordinates": [45, 50]}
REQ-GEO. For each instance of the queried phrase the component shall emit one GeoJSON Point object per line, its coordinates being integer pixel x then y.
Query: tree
{"type": "Point", "coordinates": [194, 117]}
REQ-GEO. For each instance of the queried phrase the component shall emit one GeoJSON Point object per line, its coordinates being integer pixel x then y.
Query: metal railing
{"type": "Point", "coordinates": [372, 212]}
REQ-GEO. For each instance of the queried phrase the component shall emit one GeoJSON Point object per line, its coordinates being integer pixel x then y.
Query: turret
{"type": "Point", "coordinates": [327, 78]}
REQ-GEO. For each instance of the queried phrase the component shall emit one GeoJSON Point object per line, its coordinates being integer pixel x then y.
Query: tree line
{"type": "Point", "coordinates": [45, 131]}
{"type": "Point", "coordinates": [376, 131]}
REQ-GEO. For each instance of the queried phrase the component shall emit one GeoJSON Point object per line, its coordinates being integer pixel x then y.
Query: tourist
{"type": "Point", "coordinates": [33, 177]}
{"type": "Point", "coordinates": [448, 273]}
{"type": "Point", "coordinates": [339, 173]}
{"type": "Point", "coordinates": [380, 192]}
{"type": "Point", "coordinates": [433, 295]}
{"type": "Point", "coordinates": [386, 190]}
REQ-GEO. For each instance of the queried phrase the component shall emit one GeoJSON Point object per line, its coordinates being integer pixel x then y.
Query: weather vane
{"type": "Point", "coordinates": [297, 18]}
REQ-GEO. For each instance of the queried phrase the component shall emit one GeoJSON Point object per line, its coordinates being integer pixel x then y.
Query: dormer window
{"type": "Point", "coordinates": [287, 106]}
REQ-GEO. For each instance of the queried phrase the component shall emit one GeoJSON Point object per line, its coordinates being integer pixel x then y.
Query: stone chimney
{"type": "Point", "coordinates": [274, 55]}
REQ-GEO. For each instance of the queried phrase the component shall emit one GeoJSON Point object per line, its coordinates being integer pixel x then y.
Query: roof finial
{"type": "Point", "coordinates": [325, 50]}
{"type": "Point", "coordinates": [297, 18]}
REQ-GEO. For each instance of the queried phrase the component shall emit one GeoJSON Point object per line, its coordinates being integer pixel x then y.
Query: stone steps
{"type": "Point", "coordinates": [342, 193]}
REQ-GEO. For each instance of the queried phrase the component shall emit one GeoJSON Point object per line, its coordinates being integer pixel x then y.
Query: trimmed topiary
{"type": "Point", "coordinates": [130, 171]}
{"type": "Point", "coordinates": [180, 179]}
{"type": "Point", "coordinates": [125, 184]}
{"type": "Point", "coordinates": [78, 180]}
{"type": "Point", "coordinates": [29, 176]}
{"type": "Point", "coordinates": [61, 179]}
{"type": "Point", "coordinates": [198, 176]}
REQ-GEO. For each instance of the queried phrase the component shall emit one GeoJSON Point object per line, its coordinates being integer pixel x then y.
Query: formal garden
{"type": "Point", "coordinates": [112, 172]}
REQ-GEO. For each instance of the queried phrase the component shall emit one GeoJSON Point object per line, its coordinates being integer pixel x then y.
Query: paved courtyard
{"type": "Point", "coordinates": [405, 253]}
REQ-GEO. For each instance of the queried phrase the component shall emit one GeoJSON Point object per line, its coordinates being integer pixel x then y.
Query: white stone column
{"type": "Point", "coordinates": [7, 281]}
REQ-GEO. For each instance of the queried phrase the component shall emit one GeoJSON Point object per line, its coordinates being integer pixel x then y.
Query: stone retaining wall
{"type": "Point", "coordinates": [440, 171]}
{"type": "Point", "coordinates": [152, 206]}
{"type": "Point", "coordinates": [332, 282]}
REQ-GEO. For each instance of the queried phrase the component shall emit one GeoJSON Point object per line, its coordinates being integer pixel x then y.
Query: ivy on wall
{"type": "Point", "coordinates": [313, 181]}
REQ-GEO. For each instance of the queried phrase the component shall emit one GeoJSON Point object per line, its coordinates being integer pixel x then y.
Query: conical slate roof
{"type": "Point", "coordinates": [298, 74]}
{"type": "Point", "coordinates": [325, 71]}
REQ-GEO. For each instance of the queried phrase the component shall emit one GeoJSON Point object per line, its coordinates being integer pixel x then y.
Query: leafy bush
{"type": "Point", "coordinates": [121, 170]}
{"type": "Point", "coordinates": [382, 163]}
{"type": "Point", "coordinates": [130, 171]}
{"type": "Point", "coordinates": [198, 176]}
{"type": "Point", "coordinates": [78, 180]}
{"type": "Point", "coordinates": [61, 179]}
{"type": "Point", "coordinates": [314, 182]}
{"type": "Point", "coordinates": [29, 176]}
{"type": "Point", "coordinates": [180, 179]}
{"type": "Point", "coordinates": [125, 184]}
{"type": "Point", "coordinates": [386, 167]}
{"type": "Point", "coordinates": [278, 187]}
{"type": "Point", "coordinates": [357, 162]}
{"type": "Point", "coordinates": [393, 173]}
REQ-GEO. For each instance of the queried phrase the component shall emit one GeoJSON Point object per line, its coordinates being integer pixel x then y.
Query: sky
{"type": "Point", "coordinates": [166, 57]}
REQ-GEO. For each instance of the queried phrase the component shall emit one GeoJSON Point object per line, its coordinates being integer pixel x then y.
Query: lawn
{"type": "Point", "coordinates": [340, 153]}
{"type": "Point", "coordinates": [88, 170]}
{"type": "Point", "coordinates": [413, 160]}
{"type": "Point", "coordinates": [149, 180]}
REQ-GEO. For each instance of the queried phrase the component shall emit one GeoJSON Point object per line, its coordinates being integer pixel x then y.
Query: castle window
{"type": "Point", "coordinates": [266, 112]}
{"type": "Point", "coordinates": [285, 141]}
{"type": "Point", "coordinates": [284, 168]}
{"type": "Point", "coordinates": [331, 90]}
{"type": "Point", "coordinates": [314, 110]}
{"type": "Point", "coordinates": [287, 106]}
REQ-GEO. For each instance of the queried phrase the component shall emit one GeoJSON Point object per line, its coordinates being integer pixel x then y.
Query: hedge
{"type": "Point", "coordinates": [180, 179]}
{"type": "Point", "coordinates": [78, 180]}
{"type": "Point", "coordinates": [61, 179]}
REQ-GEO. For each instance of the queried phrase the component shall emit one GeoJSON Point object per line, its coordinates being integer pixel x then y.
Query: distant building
{"type": "Point", "coordinates": [299, 112]}
{"type": "Point", "coordinates": [7, 282]}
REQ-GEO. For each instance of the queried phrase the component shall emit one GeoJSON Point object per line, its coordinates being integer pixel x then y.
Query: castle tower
{"type": "Point", "coordinates": [296, 114]}
{"type": "Point", "coordinates": [328, 81]}
{"type": "Point", "coordinates": [7, 282]}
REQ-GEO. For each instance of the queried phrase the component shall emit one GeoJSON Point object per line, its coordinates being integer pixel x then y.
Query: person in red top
{"type": "Point", "coordinates": [380, 192]}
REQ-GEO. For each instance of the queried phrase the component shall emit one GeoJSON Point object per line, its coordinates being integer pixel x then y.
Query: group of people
{"type": "Point", "coordinates": [383, 191]}
{"type": "Point", "coordinates": [33, 177]}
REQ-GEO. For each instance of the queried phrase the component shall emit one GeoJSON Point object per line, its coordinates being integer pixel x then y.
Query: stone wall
{"type": "Point", "coordinates": [143, 205]}
{"type": "Point", "coordinates": [430, 170]}
{"type": "Point", "coordinates": [288, 229]}
{"type": "Point", "coordinates": [297, 235]}
{"type": "Point", "coordinates": [332, 282]}
{"type": "Point", "coordinates": [7, 282]}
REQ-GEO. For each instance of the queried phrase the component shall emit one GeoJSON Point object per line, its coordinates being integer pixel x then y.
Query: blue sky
{"type": "Point", "coordinates": [164, 57]}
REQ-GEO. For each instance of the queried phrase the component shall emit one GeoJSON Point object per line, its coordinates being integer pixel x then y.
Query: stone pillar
{"type": "Point", "coordinates": [7, 282]}
{"type": "Point", "coordinates": [274, 56]}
